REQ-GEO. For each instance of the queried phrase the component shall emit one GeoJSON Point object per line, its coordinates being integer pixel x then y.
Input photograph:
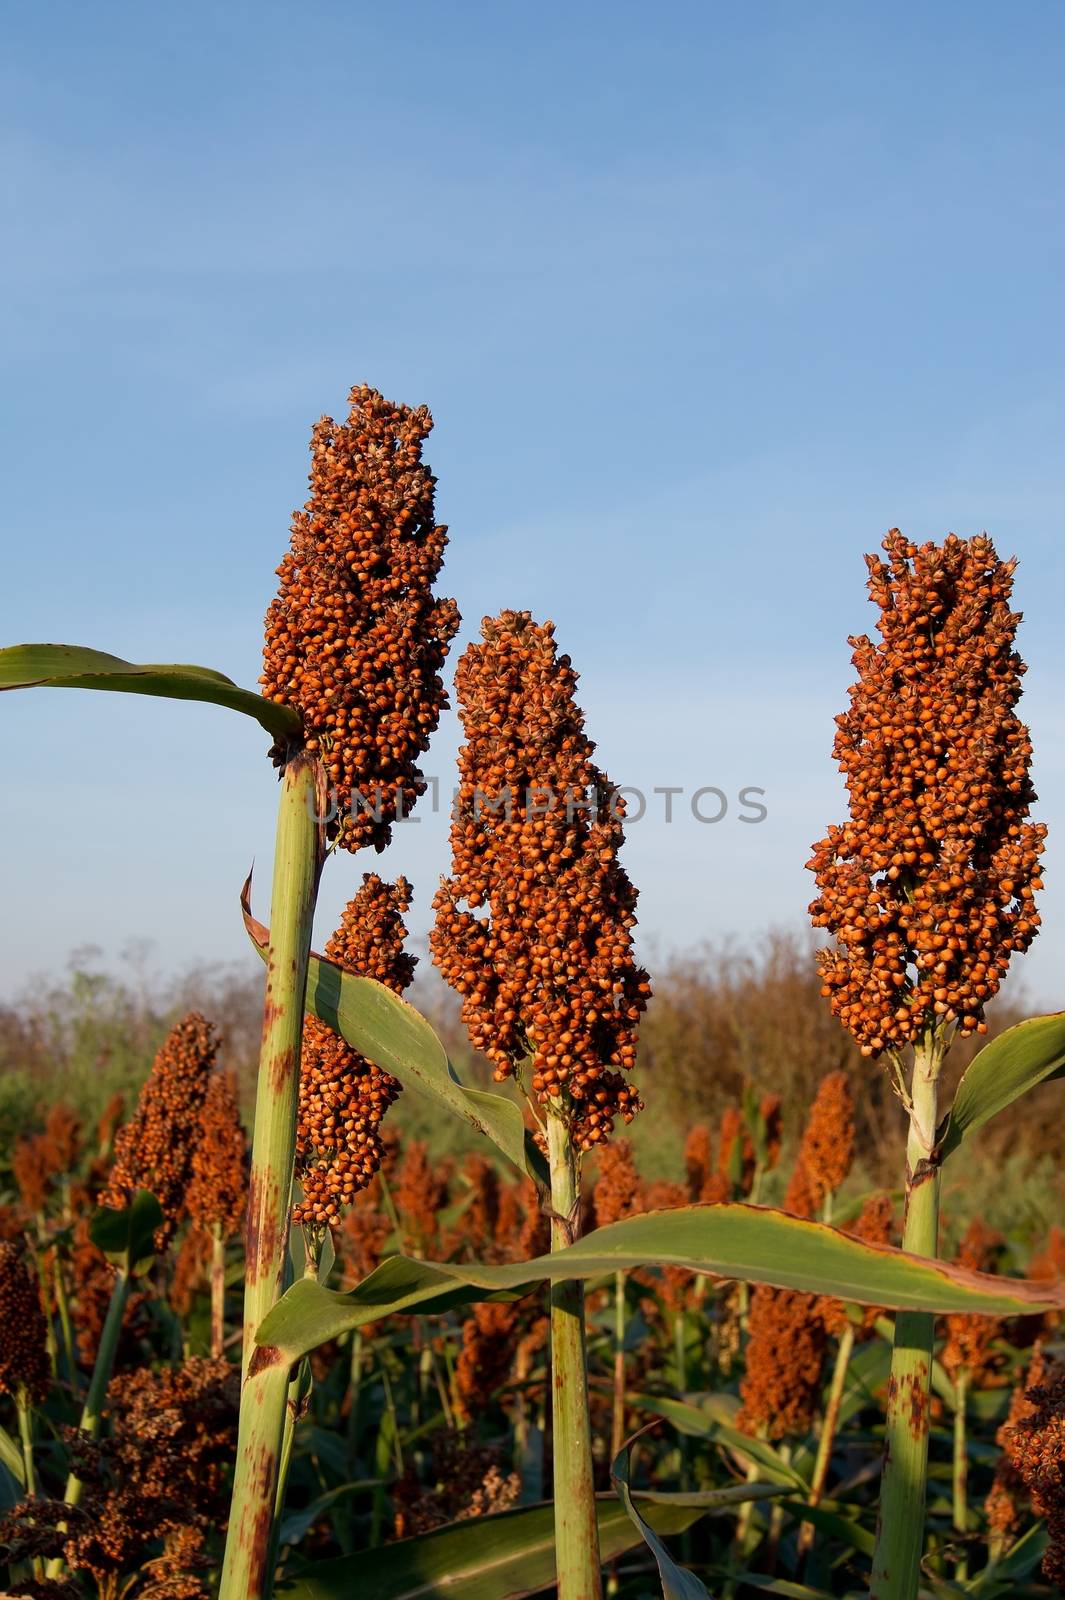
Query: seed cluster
{"type": "Point", "coordinates": [1035, 1446]}
{"type": "Point", "coordinates": [928, 888]}
{"type": "Point", "coordinates": [489, 1339]}
{"type": "Point", "coordinates": [342, 1096]}
{"type": "Point", "coordinates": [161, 1473]}
{"type": "Point", "coordinates": [618, 1189]}
{"type": "Point", "coordinates": [826, 1154]}
{"type": "Point", "coordinates": [24, 1365]}
{"type": "Point", "coordinates": [356, 639]}
{"type": "Point", "coordinates": [218, 1191]}
{"type": "Point", "coordinates": [969, 1347]}
{"type": "Point", "coordinates": [154, 1150]}
{"type": "Point", "coordinates": [546, 970]}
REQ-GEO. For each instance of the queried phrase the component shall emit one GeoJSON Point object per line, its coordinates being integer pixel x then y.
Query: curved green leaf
{"type": "Point", "coordinates": [749, 1243]}
{"type": "Point", "coordinates": [388, 1031]}
{"type": "Point", "coordinates": [677, 1582]}
{"type": "Point", "coordinates": [126, 1234]}
{"type": "Point", "coordinates": [501, 1557]}
{"type": "Point", "coordinates": [1018, 1060]}
{"type": "Point", "coordinates": [70, 666]}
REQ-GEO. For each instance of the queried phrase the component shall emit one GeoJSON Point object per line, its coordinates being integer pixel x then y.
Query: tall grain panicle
{"type": "Point", "coordinates": [969, 1347]}
{"type": "Point", "coordinates": [1035, 1446]}
{"type": "Point", "coordinates": [618, 1189]}
{"type": "Point", "coordinates": [786, 1342]}
{"type": "Point", "coordinates": [160, 1473]}
{"type": "Point", "coordinates": [826, 1154]}
{"type": "Point", "coordinates": [63, 1137]}
{"type": "Point", "coordinates": [1008, 1495]}
{"type": "Point", "coordinates": [218, 1189]}
{"type": "Point", "coordinates": [421, 1195]}
{"type": "Point", "coordinates": [33, 1173]}
{"type": "Point", "coordinates": [698, 1158]}
{"type": "Point", "coordinates": [534, 925]}
{"type": "Point", "coordinates": [476, 1229]}
{"type": "Point", "coordinates": [928, 888]}
{"type": "Point", "coordinates": [155, 1148]}
{"type": "Point", "coordinates": [489, 1342]}
{"type": "Point", "coordinates": [343, 1097]}
{"type": "Point", "coordinates": [25, 1370]}
{"type": "Point", "coordinates": [356, 639]}
{"type": "Point", "coordinates": [533, 930]}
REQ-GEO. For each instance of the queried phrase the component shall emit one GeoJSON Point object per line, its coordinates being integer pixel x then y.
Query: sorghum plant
{"type": "Point", "coordinates": [534, 931]}
{"type": "Point", "coordinates": [928, 891]}
{"type": "Point", "coordinates": [355, 641]}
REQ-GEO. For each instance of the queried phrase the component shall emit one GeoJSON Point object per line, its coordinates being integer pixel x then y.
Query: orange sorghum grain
{"type": "Point", "coordinates": [24, 1365]}
{"type": "Point", "coordinates": [928, 888]}
{"type": "Point", "coordinates": [33, 1173]}
{"type": "Point", "coordinates": [1008, 1495]}
{"type": "Point", "coordinates": [489, 1341]}
{"type": "Point", "coordinates": [1035, 1445]}
{"type": "Point", "coordinates": [827, 1150]}
{"type": "Point", "coordinates": [735, 1152]}
{"type": "Point", "coordinates": [154, 1150]}
{"type": "Point", "coordinates": [969, 1346]}
{"type": "Point", "coordinates": [421, 1193]}
{"type": "Point", "coordinates": [534, 926]}
{"type": "Point", "coordinates": [618, 1191]}
{"type": "Point", "coordinates": [772, 1114]}
{"type": "Point", "coordinates": [781, 1388]}
{"type": "Point", "coordinates": [218, 1191]}
{"type": "Point", "coordinates": [356, 639]}
{"type": "Point", "coordinates": [698, 1159]}
{"type": "Point", "coordinates": [342, 1096]}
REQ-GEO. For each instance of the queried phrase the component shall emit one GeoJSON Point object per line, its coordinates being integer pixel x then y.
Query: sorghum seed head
{"type": "Point", "coordinates": [155, 1148]}
{"type": "Point", "coordinates": [827, 1150]}
{"type": "Point", "coordinates": [218, 1191]}
{"type": "Point", "coordinates": [969, 1347]}
{"type": "Point", "coordinates": [356, 639]}
{"type": "Point", "coordinates": [342, 1096]}
{"type": "Point", "coordinates": [618, 1191]}
{"type": "Point", "coordinates": [24, 1365]}
{"type": "Point", "coordinates": [781, 1388]}
{"type": "Point", "coordinates": [534, 926]}
{"type": "Point", "coordinates": [928, 889]}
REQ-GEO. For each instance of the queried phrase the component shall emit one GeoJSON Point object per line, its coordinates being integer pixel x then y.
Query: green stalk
{"type": "Point", "coordinates": [961, 1472]}
{"type": "Point", "coordinates": [25, 1430]}
{"type": "Point", "coordinates": [828, 1433]}
{"type": "Point", "coordinates": [218, 1292]}
{"type": "Point", "coordinates": [247, 1572]}
{"type": "Point", "coordinates": [617, 1434]}
{"type": "Point", "coordinates": [576, 1525]}
{"type": "Point", "coordinates": [65, 1325]}
{"type": "Point", "coordinates": [901, 1523]}
{"type": "Point", "coordinates": [96, 1393]}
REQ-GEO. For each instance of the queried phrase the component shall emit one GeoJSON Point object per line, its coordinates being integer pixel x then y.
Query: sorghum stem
{"type": "Point", "coordinates": [617, 1435]}
{"type": "Point", "coordinates": [97, 1390]}
{"type": "Point", "coordinates": [828, 1432]}
{"type": "Point", "coordinates": [247, 1572]}
{"type": "Point", "coordinates": [218, 1293]}
{"type": "Point", "coordinates": [901, 1524]}
{"type": "Point", "coordinates": [25, 1429]}
{"type": "Point", "coordinates": [961, 1469]}
{"type": "Point", "coordinates": [576, 1524]}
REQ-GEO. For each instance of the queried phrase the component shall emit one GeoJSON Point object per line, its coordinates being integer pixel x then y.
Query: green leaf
{"type": "Point", "coordinates": [750, 1243]}
{"type": "Point", "coordinates": [1020, 1560]}
{"type": "Point", "coordinates": [500, 1557]}
{"type": "Point", "coordinates": [295, 1524]}
{"type": "Point", "coordinates": [11, 1458]}
{"type": "Point", "coordinates": [388, 1031]}
{"type": "Point", "coordinates": [712, 1421]}
{"type": "Point", "coordinates": [843, 1529]}
{"type": "Point", "coordinates": [69, 666]}
{"type": "Point", "coordinates": [1018, 1060]}
{"type": "Point", "coordinates": [127, 1235]}
{"type": "Point", "coordinates": [677, 1582]}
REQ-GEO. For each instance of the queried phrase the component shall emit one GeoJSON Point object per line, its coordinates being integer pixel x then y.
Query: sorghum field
{"type": "Point", "coordinates": [740, 1277]}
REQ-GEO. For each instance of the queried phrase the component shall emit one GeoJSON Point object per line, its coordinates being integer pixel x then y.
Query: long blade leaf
{"type": "Point", "coordinates": [750, 1243]}
{"type": "Point", "coordinates": [69, 666]}
{"type": "Point", "coordinates": [1018, 1060]}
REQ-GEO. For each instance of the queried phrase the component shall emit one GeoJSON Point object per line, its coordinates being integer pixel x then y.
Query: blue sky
{"type": "Point", "coordinates": [704, 298]}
